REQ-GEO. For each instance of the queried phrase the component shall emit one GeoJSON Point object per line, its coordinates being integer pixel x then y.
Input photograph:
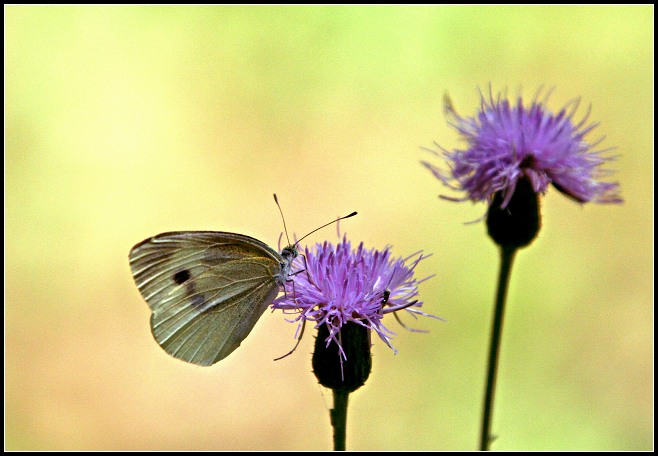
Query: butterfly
{"type": "Point", "coordinates": [207, 289]}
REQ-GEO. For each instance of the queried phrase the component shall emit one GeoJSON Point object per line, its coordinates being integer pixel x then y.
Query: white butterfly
{"type": "Point", "coordinates": [207, 289]}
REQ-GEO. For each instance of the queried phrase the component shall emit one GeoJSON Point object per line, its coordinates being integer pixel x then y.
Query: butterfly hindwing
{"type": "Point", "coordinates": [206, 290]}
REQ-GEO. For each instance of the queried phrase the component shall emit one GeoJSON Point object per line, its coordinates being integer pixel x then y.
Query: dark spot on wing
{"type": "Point", "coordinates": [182, 276]}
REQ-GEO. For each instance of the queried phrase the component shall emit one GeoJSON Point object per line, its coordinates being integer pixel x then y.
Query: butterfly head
{"type": "Point", "coordinates": [288, 254]}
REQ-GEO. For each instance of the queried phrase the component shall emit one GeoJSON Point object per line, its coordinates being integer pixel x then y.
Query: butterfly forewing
{"type": "Point", "coordinates": [206, 290]}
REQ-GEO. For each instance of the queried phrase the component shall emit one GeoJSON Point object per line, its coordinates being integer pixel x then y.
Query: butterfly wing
{"type": "Point", "coordinates": [206, 290]}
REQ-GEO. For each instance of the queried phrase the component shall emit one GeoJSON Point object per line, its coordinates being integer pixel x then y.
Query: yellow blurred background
{"type": "Point", "coordinates": [123, 122]}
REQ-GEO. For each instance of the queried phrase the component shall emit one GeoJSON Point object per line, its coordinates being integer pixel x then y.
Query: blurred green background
{"type": "Point", "coordinates": [123, 122]}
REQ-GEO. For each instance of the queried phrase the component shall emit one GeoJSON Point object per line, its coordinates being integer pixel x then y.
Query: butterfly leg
{"type": "Point", "coordinates": [299, 339]}
{"type": "Point", "coordinates": [308, 276]}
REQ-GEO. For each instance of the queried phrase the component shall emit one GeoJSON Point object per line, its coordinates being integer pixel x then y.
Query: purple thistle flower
{"type": "Point", "coordinates": [339, 285]}
{"type": "Point", "coordinates": [509, 142]}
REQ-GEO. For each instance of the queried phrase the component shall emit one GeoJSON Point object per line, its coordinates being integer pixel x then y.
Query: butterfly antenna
{"type": "Point", "coordinates": [276, 200]}
{"type": "Point", "coordinates": [326, 224]}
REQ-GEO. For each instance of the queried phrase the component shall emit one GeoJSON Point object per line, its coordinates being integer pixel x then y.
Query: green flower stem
{"type": "Point", "coordinates": [339, 418]}
{"type": "Point", "coordinates": [342, 375]}
{"type": "Point", "coordinates": [506, 259]}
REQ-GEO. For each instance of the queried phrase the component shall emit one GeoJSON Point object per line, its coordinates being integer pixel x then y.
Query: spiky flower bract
{"type": "Point", "coordinates": [507, 142]}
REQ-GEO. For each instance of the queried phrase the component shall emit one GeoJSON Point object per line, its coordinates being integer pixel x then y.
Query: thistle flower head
{"type": "Point", "coordinates": [338, 285]}
{"type": "Point", "coordinates": [507, 142]}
